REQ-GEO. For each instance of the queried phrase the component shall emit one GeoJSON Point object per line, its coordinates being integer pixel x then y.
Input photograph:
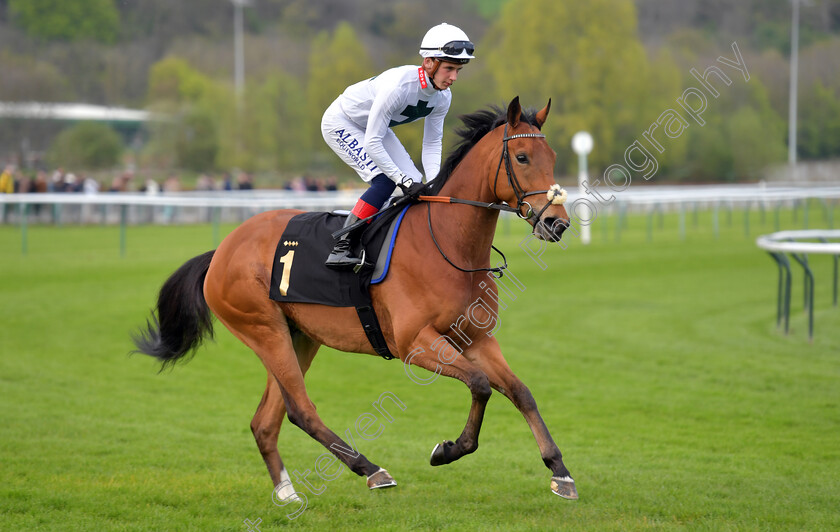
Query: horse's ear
{"type": "Point", "coordinates": [514, 112]}
{"type": "Point", "coordinates": [543, 114]}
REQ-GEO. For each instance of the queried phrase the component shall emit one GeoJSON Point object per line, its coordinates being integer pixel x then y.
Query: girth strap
{"type": "Point", "coordinates": [367, 316]}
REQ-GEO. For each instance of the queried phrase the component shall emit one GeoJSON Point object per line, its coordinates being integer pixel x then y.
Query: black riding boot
{"type": "Point", "coordinates": [342, 257]}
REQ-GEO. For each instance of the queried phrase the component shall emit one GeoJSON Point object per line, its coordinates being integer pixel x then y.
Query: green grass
{"type": "Point", "coordinates": [656, 364]}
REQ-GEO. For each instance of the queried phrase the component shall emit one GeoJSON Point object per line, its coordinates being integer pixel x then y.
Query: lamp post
{"type": "Point", "coordinates": [582, 144]}
{"type": "Point", "coordinates": [794, 68]}
{"type": "Point", "coordinates": [238, 47]}
{"type": "Point", "coordinates": [238, 70]}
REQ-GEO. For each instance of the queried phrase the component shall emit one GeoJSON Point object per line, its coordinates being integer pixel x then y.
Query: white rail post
{"type": "Point", "coordinates": [582, 145]}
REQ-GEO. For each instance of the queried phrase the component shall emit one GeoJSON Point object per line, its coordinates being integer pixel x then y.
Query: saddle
{"type": "Point", "coordinates": [299, 276]}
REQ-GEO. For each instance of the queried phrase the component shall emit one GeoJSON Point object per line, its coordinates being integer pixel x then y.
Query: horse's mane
{"type": "Point", "coordinates": [476, 125]}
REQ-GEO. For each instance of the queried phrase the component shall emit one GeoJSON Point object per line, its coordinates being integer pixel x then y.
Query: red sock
{"type": "Point", "coordinates": [364, 209]}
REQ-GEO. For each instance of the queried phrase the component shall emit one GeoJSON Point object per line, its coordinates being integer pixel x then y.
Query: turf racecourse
{"type": "Point", "coordinates": [656, 365]}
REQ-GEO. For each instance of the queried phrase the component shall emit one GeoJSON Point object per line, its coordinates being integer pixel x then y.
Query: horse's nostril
{"type": "Point", "coordinates": [555, 225]}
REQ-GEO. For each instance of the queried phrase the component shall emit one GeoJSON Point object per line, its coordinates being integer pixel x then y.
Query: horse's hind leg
{"type": "Point", "coordinates": [235, 290]}
{"type": "Point", "coordinates": [267, 333]}
{"type": "Point", "coordinates": [269, 416]}
{"type": "Point", "coordinates": [265, 426]}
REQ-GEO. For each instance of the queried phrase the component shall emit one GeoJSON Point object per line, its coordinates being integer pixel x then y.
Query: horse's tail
{"type": "Point", "coordinates": [182, 317]}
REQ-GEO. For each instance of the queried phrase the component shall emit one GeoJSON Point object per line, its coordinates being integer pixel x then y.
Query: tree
{"type": "Point", "coordinates": [488, 8]}
{"type": "Point", "coordinates": [67, 20]}
{"type": "Point", "coordinates": [24, 79]}
{"type": "Point", "coordinates": [197, 142]}
{"type": "Point", "coordinates": [335, 62]}
{"type": "Point", "coordinates": [172, 79]}
{"type": "Point", "coordinates": [201, 135]}
{"type": "Point", "coordinates": [587, 57]}
{"type": "Point", "coordinates": [87, 145]}
{"type": "Point", "coordinates": [819, 123]}
{"type": "Point", "coordinates": [742, 135]}
{"type": "Point", "coordinates": [756, 142]}
{"type": "Point", "coordinates": [276, 127]}
{"type": "Point", "coordinates": [709, 152]}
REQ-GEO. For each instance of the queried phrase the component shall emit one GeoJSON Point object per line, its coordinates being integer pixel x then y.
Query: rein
{"type": "Point", "coordinates": [555, 194]}
{"type": "Point", "coordinates": [498, 271]}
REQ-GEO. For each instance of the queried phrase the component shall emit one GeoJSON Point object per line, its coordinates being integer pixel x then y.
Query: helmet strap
{"type": "Point", "coordinates": [434, 71]}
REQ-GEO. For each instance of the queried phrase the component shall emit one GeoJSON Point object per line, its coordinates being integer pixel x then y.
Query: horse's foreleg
{"type": "Point", "coordinates": [428, 353]}
{"type": "Point", "coordinates": [493, 363]}
{"type": "Point", "coordinates": [269, 417]}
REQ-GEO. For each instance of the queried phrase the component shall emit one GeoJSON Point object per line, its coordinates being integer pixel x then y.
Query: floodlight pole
{"type": "Point", "coordinates": [238, 69]}
{"type": "Point", "coordinates": [794, 73]}
{"type": "Point", "coordinates": [238, 48]}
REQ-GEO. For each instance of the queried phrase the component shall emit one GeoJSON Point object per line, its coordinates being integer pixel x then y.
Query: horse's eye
{"type": "Point", "coordinates": [522, 158]}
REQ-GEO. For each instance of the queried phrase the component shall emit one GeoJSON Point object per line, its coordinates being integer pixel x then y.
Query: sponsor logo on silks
{"type": "Point", "coordinates": [413, 112]}
{"type": "Point", "coordinates": [354, 149]}
{"type": "Point", "coordinates": [422, 74]}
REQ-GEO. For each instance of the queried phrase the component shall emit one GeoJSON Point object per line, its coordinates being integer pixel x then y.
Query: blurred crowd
{"type": "Point", "coordinates": [311, 184]}
{"type": "Point", "coordinates": [13, 180]}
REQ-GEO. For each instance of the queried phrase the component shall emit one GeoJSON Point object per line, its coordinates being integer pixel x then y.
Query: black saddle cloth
{"type": "Point", "coordinates": [298, 274]}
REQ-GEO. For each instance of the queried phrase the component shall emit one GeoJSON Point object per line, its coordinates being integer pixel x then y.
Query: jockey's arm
{"type": "Point", "coordinates": [433, 141]}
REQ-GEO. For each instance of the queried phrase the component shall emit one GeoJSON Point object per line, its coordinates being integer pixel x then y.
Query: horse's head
{"type": "Point", "coordinates": [525, 176]}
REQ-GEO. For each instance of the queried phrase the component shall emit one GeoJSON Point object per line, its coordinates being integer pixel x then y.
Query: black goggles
{"type": "Point", "coordinates": [456, 48]}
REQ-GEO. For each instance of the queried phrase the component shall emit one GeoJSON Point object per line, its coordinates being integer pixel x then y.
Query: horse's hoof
{"type": "Point", "coordinates": [438, 456]}
{"type": "Point", "coordinates": [381, 479]}
{"type": "Point", "coordinates": [564, 487]}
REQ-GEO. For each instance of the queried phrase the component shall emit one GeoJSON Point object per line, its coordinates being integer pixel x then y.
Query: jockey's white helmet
{"type": "Point", "coordinates": [447, 42]}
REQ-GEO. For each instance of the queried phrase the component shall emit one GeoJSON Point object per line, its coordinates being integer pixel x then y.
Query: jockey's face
{"type": "Point", "coordinates": [446, 73]}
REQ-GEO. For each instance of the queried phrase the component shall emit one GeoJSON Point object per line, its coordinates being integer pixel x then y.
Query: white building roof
{"type": "Point", "coordinates": [72, 111]}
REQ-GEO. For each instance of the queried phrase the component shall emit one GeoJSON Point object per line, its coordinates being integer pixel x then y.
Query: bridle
{"type": "Point", "coordinates": [555, 194]}
{"type": "Point", "coordinates": [518, 191]}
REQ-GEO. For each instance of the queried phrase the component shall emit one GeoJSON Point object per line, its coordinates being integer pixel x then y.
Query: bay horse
{"type": "Point", "coordinates": [439, 266]}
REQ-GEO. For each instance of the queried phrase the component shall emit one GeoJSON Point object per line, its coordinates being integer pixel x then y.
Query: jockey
{"type": "Point", "coordinates": [357, 126]}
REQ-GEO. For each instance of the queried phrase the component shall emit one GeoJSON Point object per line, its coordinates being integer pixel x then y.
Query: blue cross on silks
{"type": "Point", "coordinates": [413, 112]}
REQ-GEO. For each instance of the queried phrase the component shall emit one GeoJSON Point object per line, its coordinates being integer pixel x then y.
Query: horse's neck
{"type": "Point", "coordinates": [470, 229]}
